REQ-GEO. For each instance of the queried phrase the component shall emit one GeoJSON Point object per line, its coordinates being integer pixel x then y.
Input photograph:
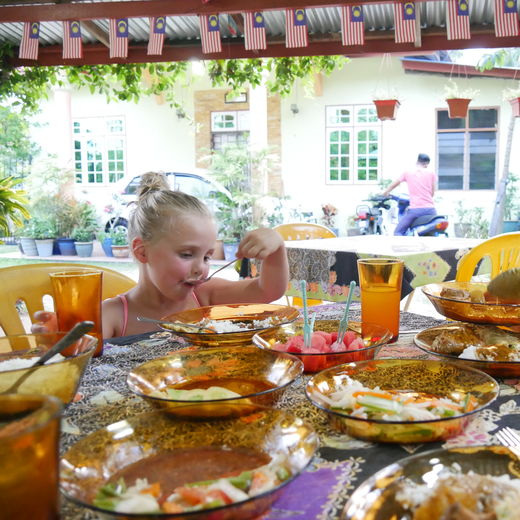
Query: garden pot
{"type": "Point", "coordinates": [458, 107]}
{"type": "Point", "coordinates": [515, 106]}
{"type": "Point", "coordinates": [386, 108]}
{"type": "Point", "coordinates": [28, 246]}
{"type": "Point", "coordinates": [230, 250]}
{"type": "Point", "coordinates": [44, 246]}
{"type": "Point", "coordinates": [66, 246]}
{"type": "Point", "coordinates": [106, 244]}
{"type": "Point", "coordinates": [56, 247]}
{"type": "Point", "coordinates": [121, 251]}
{"type": "Point", "coordinates": [84, 248]}
{"type": "Point", "coordinates": [510, 225]}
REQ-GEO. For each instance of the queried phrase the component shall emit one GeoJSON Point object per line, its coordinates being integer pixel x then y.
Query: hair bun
{"type": "Point", "coordinates": [152, 181]}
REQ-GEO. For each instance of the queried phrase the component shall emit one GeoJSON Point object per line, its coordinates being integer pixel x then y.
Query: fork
{"type": "Point", "coordinates": [508, 437]}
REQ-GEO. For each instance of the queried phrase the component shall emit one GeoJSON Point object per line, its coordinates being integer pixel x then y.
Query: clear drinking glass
{"type": "Point", "coordinates": [380, 281]}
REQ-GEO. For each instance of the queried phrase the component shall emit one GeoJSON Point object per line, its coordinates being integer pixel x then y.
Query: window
{"type": "Point", "coordinates": [229, 128]}
{"type": "Point", "coordinates": [353, 144]}
{"type": "Point", "coordinates": [99, 149]}
{"type": "Point", "coordinates": [467, 150]}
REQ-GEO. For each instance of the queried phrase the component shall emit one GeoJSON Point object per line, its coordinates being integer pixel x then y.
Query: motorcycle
{"type": "Point", "coordinates": [381, 218]}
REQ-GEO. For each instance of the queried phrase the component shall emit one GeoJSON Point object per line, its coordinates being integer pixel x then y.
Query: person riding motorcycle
{"type": "Point", "coordinates": [421, 188]}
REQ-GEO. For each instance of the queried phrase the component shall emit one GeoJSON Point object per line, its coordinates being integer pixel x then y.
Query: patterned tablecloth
{"type": "Point", "coordinates": [342, 462]}
{"type": "Point", "coordinates": [329, 264]}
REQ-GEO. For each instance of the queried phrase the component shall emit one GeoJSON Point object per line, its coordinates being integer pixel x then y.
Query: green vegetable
{"type": "Point", "coordinates": [105, 497]}
{"type": "Point", "coordinates": [242, 481]}
{"type": "Point", "coordinates": [283, 473]}
{"type": "Point", "coordinates": [379, 404]}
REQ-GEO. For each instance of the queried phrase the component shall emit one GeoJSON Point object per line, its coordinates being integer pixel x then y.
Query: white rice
{"type": "Point", "coordinates": [17, 363]}
{"type": "Point", "coordinates": [471, 353]}
{"type": "Point", "coordinates": [231, 326]}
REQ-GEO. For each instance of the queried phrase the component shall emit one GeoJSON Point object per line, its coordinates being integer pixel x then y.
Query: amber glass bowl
{"type": "Point", "coordinates": [374, 337]}
{"type": "Point", "coordinates": [93, 460]}
{"type": "Point", "coordinates": [259, 376]}
{"type": "Point", "coordinates": [436, 378]}
{"type": "Point", "coordinates": [60, 379]}
{"type": "Point", "coordinates": [474, 312]}
{"type": "Point", "coordinates": [247, 315]}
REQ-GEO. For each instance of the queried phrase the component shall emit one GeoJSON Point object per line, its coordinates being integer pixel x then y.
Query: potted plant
{"type": "Point", "coordinates": [44, 232]}
{"type": "Point", "coordinates": [120, 246]}
{"type": "Point", "coordinates": [27, 241]}
{"type": "Point", "coordinates": [513, 96]}
{"type": "Point", "coordinates": [458, 99]}
{"type": "Point", "coordinates": [83, 241]}
{"type": "Point", "coordinates": [387, 103]}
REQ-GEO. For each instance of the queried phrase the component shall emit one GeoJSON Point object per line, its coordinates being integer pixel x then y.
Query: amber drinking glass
{"type": "Point", "coordinates": [380, 281]}
{"type": "Point", "coordinates": [77, 297]}
{"type": "Point", "coordinates": [29, 435]}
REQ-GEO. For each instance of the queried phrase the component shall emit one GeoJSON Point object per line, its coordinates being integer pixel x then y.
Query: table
{"type": "Point", "coordinates": [329, 264]}
{"type": "Point", "coordinates": [342, 462]}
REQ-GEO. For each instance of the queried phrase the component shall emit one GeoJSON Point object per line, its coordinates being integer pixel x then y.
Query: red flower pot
{"type": "Point", "coordinates": [515, 106]}
{"type": "Point", "coordinates": [386, 108]}
{"type": "Point", "coordinates": [458, 107]}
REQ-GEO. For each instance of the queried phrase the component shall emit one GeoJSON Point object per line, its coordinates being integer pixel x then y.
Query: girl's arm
{"type": "Point", "coordinates": [261, 244]}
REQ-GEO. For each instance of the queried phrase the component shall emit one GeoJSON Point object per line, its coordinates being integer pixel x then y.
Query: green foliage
{"type": "Point", "coordinates": [512, 198]}
{"type": "Point", "coordinates": [42, 228]}
{"type": "Point", "coordinates": [86, 222]}
{"type": "Point", "coordinates": [473, 223]}
{"type": "Point", "coordinates": [13, 205]}
{"type": "Point", "coordinates": [119, 237]}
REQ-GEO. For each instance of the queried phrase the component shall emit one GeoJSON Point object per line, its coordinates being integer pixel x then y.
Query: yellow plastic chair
{"type": "Point", "coordinates": [304, 231]}
{"type": "Point", "coordinates": [31, 282]}
{"type": "Point", "coordinates": [502, 250]}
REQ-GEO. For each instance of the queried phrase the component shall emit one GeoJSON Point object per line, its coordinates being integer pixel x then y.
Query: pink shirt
{"type": "Point", "coordinates": [421, 183]}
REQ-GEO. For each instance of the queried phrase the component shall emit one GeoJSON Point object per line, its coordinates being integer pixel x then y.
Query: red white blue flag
{"type": "Point", "coordinates": [296, 28]}
{"type": "Point", "coordinates": [254, 31]}
{"type": "Point", "coordinates": [29, 45]}
{"type": "Point", "coordinates": [506, 18]}
{"type": "Point", "coordinates": [210, 33]}
{"type": "Point", "coordinates": [404, 20]}
{"type": "Point", "coordinates": [457, 19]}
{"type": "Point", "coordinates": [72, 47]}
{"type": "Point", "coordinates": [157, 33]}
{"type": "Point", "coordinates": [352, 25]}
{"type": "Point", "coordinates": [118, 38]}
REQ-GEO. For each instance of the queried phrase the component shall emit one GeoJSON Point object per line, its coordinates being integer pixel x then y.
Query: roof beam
{"type": "Point", "coordinates": [144, 8]}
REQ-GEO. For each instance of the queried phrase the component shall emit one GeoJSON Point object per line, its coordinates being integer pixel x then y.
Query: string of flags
{"type": "Point", "coordinates": [406, 28]}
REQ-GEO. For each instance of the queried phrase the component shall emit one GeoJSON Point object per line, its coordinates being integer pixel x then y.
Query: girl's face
{"type": "Point", "coordinates": [182, 255]}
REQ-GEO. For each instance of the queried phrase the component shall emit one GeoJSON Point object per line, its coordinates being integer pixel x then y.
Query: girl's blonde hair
{"type": "Point", "coordinates": [158, 206]}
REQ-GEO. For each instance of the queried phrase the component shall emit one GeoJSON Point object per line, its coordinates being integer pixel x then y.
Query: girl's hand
{"type": "Point", "coordinates": [260, 244]}
{"type": "Point", "coordinates": [44, 322]}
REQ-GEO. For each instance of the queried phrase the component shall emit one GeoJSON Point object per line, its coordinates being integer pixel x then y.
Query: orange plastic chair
{"type": "Point", "coordinates": [31, 282]}
{"type": "Point", "coordinates": [502, 250]}
{"type": "Point", "coordinates": [304, 231]}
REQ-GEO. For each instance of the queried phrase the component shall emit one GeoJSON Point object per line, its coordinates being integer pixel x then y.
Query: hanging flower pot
{"type": "Point", "coordinates": [515, 106]}
{"type": "Point", "coordinates": [386, 108]}
{"type": "Point", "coordinates": [458, 107]}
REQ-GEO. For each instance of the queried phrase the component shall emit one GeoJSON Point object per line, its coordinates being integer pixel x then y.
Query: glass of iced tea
{"type": "Point", "coordinates": [77, 297]}
{"type": "Point", "coordinates": [29, 436]}
{"type": "Point", "coordinates": [380, 281]}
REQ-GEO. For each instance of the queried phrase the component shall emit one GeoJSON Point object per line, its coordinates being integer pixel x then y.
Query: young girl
{"type": "Point", "coordinates": [172, 236]}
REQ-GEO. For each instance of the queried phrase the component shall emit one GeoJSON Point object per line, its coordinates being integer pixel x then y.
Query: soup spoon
{"type": "Point", "coordinates": [176, 324]}
{"type": "Point", "coordinates": [204, 280]}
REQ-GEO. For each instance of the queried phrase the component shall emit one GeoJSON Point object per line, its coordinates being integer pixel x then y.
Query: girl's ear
{"type": "Point", "coordinates": [139, 250]}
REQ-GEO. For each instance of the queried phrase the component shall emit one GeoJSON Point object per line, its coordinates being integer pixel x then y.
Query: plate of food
{"type": "Point", "coordinates": [233, 324]}
{"type": "Point", "coordinates": [155, 466]}
{"type": "Point", "coordinates": [481, 482]}
{"type": "Point", "coordinates": [471, 301]}
{"type": "Point", "coordinates": [489, 348]}
{"type": "Point", "coordinates": [401, 400]}
{"type": "Point", "coordinates": [215, 380]}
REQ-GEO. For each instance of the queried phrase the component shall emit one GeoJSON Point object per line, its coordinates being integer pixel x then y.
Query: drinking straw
{"type": "Point", "coordinates": [307, 325]}
{"type": "Point", "coordinates": [343, 323]}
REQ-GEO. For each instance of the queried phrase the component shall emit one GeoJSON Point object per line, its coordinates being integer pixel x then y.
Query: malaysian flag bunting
{"type": "Point", "coordinates": [458, 19]}
{"type": "Point", "coordinates": [352, 25]}
{"type": "Point", "coordinates": [404, 21]}
{"type": "Point", "coordinates": [210, 33]}
{"type": "Point", "coordinates": [296, 28]}
{"type": "Point", "coordinates": [29, 45]}
{"type": "Point", "coordinates": [506, 18]}
{"type": "Point", "coordinates": [157, 32]}
{"type": "Point", "coordinates": [254, 31]}
{"type": "Point", "coordinates": [118, 38]}
{"type": "Point", "coordinates": [72, 47]}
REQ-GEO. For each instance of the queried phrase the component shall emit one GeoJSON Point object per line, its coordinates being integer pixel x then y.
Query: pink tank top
{"type": "Point", "coordinates": [124, 301]}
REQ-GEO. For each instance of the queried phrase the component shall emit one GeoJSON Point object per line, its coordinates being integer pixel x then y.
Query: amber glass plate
{"type": "Point", "coordinates": [91, 462]}
{"type": "Point", "coordinates": [375, 499]}
{"type": "Point", "coordinates": [425, 338]}
{"type": "Point", "coordinates": [462, 310]}
{"type": "Point", "coordinates": [59, 379]}
{"type": "Point", "coordinates": [374, 336]}
{"type": "Point", "coordinates": [260, 377]}
{"type": "Point", "coordinates": [240, 313]}
{"type": "Point", "coordinates": [436, 378]}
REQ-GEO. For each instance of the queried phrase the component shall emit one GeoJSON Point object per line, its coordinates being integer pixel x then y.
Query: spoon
{"type": "Point", "coordinates": [204, 280]}
{"type": "Point", "coordinates": [79, 330]}
{"type": "Point", "coordinates": [175, 323]}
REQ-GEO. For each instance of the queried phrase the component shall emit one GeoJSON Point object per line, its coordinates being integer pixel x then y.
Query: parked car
{"type": "Point", "coordinates": [196, 184]}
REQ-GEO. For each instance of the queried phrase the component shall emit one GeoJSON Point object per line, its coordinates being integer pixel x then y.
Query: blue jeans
{"type": "Point", "coordinates": [411, 214]}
